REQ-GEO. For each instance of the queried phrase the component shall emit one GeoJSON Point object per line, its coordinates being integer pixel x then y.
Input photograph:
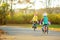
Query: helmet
{"type": "Point", "coordinates": [45, 14]}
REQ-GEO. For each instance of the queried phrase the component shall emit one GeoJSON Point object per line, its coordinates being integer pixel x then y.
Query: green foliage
{"type": "Point", "coordinates": [5, 5]}
{"type": "Point", "coordinates": [54, 26]}
{"type": "Point", "coordinates": [21, 18]}
{"type": "Point", "coordinates": [54, 18]}
{"type": "Point", "coordinates": [3, 13]}
{"type": "Point", "coordinates": [26, 18]}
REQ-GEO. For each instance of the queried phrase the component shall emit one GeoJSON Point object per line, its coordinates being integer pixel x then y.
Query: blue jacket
{"type": "Point", "coordinates": [45, 20]}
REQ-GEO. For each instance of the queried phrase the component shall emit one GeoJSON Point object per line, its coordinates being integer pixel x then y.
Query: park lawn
{"type": "Point", "coordinates": [30, 25]}
{"type": "Point", "coordinates": [54, 26]}
{"type": "Point", "coordinates": [50, 26]}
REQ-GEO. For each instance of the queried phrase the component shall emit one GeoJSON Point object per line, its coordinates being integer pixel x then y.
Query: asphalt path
{"type": "Point", "coordinates": [27, 31]}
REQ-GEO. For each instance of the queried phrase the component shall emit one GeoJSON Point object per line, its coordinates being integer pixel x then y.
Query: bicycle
{"type": "Point", "coordinates": [34, 25]}
{"type": "Point", "coordinates": [45, 29]}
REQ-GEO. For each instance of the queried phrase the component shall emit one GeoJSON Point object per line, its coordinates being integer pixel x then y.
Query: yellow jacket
{"type": "Point", "coordinates": [35, 18]}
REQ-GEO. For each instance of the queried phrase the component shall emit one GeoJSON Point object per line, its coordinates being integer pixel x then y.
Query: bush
{"type": "Point", "coordinates": [26, 18]}
{"type": "Point", "coordinates": [54, 18]}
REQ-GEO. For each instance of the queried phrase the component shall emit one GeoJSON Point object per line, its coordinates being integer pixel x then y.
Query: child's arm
{"type": "Point", "coordinates": [41, 21]}
{"type": "Point", "coordinates": [49, 22]}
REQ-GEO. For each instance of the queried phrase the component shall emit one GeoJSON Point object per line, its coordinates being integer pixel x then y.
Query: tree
{"type": "Point", "coordinates": [48, 9]}
{"type": "Point", "coordinates": [28, 1]}
{"type": "Point", "coordinates": [3, 12]}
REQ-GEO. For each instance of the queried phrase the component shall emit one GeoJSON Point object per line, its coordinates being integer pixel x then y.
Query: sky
{"type": "Point", "coordinates": [37, 4]}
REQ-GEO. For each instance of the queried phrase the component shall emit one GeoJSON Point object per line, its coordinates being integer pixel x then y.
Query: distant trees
{"type": "Point", "coordinates": [3, 12]}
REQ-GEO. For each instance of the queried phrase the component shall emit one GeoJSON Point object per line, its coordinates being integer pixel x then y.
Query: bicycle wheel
{"type": "Point", "coordinates": [47, 30]}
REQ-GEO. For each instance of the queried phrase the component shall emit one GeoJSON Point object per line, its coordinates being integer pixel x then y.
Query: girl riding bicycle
{"type": "Point", "coordinates": [44, 21]}
{"type": "Point", "coordinates": [35, 20]}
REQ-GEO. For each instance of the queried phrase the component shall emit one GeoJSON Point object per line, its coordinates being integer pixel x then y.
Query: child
{"type": "Point", "coordinates": [34, 20]}
{"type": "Point", "coordinates": [44, 21]}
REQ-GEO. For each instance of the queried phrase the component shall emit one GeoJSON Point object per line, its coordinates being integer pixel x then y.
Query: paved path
{"type": "Point", "coordinates": [29, 33]}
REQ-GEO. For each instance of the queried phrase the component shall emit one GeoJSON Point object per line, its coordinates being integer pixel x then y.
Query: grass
{"type": "Point", "coordinates": [30, 25]}
{"type": "Point", "coordinates": [50, 26]}
{"type": "Point", "coordinates": [54, 26]}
